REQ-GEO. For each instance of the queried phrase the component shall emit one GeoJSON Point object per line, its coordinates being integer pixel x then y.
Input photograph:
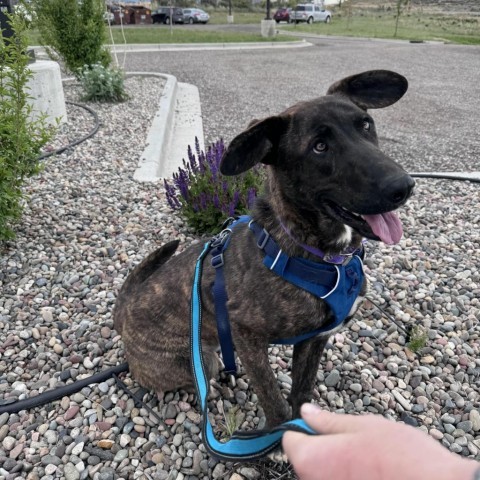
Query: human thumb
{"type": "Point", "coordinates": [330, 423]}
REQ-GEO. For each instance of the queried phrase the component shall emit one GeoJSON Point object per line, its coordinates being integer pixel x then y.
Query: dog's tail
{"type": "Point", "coordinates": [139, 275]}
{"type": "Point", "coordinates": [148, 266]}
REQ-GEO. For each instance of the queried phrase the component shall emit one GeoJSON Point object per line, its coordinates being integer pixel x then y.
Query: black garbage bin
{"type": "Point", "coordinates": [6, 6]}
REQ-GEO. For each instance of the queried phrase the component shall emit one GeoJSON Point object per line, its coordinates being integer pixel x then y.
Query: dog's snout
{"type": "Point", "coordinates": [398, 190]}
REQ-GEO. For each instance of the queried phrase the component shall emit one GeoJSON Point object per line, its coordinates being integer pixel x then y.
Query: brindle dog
{"type": "Point", "coordinates": [330, 185]}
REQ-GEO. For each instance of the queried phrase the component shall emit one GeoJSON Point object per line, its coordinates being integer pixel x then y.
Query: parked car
{"type": "Point", "coordinates": [308, 12]}
{"type": "Point", "coordinates": [195, 15]}
{"type": "Point", "coordinates": [162, 15]}
{"type": "Point", "coordinates": [282, 15]}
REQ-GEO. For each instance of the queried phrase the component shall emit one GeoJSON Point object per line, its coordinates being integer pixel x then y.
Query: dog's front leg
{"type": "Point", "coordinates": [306, 357]}
{"type": "Point", "coordinates": [254, 357]}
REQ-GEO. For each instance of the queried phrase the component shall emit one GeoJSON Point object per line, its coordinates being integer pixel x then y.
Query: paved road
{"type": "Point", "coordinates": [435, 126]}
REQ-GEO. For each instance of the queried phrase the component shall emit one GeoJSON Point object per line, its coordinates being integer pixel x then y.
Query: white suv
{"type": "Point", "coordinates": [308, 12]}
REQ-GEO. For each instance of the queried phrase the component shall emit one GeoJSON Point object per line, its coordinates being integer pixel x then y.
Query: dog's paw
{"type": "Point", "coordinates": [297, 403]}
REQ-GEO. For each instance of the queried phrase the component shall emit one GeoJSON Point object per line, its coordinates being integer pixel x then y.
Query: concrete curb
{"type": "Point", "coordinates": [166, 47]}
{"type": "Point", "coordinates": [176, 124]}
{"type": "Point", "coordinates": [187, 126]}
{"type": "Point", "coordinates": [160, 132]}
{"type": "Point", "coordinates": [170, 47]}
{"type": "Point", "coordinates": [340, 37]}
{"type": "Point", "coordinates": [163, 153]}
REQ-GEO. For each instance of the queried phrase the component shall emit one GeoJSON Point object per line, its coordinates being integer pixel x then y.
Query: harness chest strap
{"type": "Point", "coordinates": [338, 284]}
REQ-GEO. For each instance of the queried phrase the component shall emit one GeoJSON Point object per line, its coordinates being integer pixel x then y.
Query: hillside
{"type": "Point", "coordinates": [427, 6]}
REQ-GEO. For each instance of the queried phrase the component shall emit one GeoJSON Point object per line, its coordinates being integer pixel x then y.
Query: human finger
{"type": "Point", "coordinates": [316, 457]}
{"type": "Point", "coordinates": [291, 440]}
{"type": "Point", "coordinates": [331, 423]}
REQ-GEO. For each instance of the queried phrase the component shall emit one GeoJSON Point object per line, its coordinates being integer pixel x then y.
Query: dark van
{"type": "Point", "coordinates": [163, 14]}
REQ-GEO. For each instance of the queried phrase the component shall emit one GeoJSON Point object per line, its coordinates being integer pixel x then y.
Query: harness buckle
{"type": "Point", "coordinates": [221, 238]}
{"type": "Point", "coordinates": [342, 259]}
{"type": "Point", "coordinates": [217, 261]}
{"type": "Point", "coordinates": [263, 239]}
{"type": "Point", "coordinates": [227, 222]}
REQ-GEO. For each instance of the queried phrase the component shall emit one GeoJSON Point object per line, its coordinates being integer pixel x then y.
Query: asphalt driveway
{"type": "Point", "coordinates": [434, 127]}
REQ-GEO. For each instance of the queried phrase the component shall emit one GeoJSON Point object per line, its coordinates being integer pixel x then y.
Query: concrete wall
{"type": "Point", "coordinates": [46, 91]}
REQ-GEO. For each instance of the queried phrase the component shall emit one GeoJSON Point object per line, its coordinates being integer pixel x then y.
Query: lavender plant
{"type": "Point", "coordinates": [203, 196]}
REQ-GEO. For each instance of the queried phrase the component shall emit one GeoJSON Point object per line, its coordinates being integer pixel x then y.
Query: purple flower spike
{"type": "Point", "coordinates": [197, 146]}
{"type": "Point", "coordinates": [203, 201]}
{"type": "Point", "coordinates": [251, 196]}
{"type": "Point", "coordinates": [203, 195]}
{"type": "Point", "coordinates": [236, 196]}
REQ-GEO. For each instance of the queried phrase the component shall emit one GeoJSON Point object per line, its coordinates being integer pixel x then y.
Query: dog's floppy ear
{"type": "Point", "coordinates": [257, 144]}
{"type": "Point", "coordinates": [372, 89]}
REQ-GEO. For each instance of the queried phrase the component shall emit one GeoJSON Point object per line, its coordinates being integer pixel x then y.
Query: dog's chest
{"type": "Point", "coordinates": [276, 304]}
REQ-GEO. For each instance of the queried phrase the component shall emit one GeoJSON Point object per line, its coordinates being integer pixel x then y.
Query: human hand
{"type": "Point", "coordinates": [357, 447]}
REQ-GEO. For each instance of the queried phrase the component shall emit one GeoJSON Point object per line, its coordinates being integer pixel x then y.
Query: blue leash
{"type": "Point", "coordinates": [242, 446]}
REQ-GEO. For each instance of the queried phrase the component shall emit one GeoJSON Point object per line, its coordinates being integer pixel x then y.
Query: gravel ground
{"type": "Point", "coordinates": [87, 223]}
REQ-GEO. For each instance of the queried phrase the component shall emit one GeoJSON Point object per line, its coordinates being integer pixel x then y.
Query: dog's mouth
{"type": "Point", "coordinates": [386, 226]}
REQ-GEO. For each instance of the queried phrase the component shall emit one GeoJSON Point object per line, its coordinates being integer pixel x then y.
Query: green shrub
{"type": "Point", "coordinates": [101, 84]}
{"type": "Point", "coordinates": [24, 11]}
{"type": "Point", "coordinates": [73, 31]}
{"type": "Point", "coordinates": [21, 138]}
{"type": "Point", "coordinates": [204, 197]}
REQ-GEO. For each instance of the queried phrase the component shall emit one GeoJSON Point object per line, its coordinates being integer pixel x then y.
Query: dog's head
{"type": "Point", "coordinates": [325, 158]}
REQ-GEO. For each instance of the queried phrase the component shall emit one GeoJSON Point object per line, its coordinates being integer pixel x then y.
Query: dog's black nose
{"type": "Point", "coordinates": [399, 189]}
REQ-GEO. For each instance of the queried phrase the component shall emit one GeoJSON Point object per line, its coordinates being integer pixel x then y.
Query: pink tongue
{"type": "Point", "coordinates": [386, 226]}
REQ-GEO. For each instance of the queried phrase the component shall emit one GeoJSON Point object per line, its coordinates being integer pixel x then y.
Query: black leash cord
{"type": "Point", "coordinates": [63, 391]}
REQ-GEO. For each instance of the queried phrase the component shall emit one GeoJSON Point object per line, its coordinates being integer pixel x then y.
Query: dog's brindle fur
{"type": "Point", "coordinates": [320, 155]}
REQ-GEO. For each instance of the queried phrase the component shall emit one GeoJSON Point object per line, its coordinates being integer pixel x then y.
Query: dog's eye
{"type": "Point", "coordinates": [320, 147]}
{"type": "Point", "coordinates": [366, 125]}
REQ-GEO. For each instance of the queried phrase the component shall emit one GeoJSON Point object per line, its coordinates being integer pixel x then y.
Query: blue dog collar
{"type": "Point", "coordinates": [338, 285]}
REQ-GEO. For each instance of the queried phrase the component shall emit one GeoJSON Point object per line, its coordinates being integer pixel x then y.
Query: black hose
{"type": "Point", "coordinates": [80, 140]}
{"type": "Point", "coordinates": [445, 176]}
{"type": "Point", "coordinates": [63, 391]}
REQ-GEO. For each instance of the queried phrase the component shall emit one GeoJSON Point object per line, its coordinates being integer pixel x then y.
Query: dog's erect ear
{"type": "Point", "coordinates": [257, 144]}
{"type": "Point", "coordinates": [372, 89]}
